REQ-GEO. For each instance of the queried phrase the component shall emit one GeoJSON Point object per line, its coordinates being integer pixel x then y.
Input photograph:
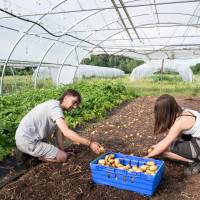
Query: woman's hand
{"type": "Point", "coordinates": [155, 150]}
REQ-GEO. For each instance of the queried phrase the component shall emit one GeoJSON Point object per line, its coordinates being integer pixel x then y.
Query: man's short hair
{"type": "Point", "coordinates": [71, 92]}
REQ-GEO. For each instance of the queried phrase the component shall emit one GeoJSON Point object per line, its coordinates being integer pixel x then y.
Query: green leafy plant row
{"type": "Point", "coordinates": [99, 96]}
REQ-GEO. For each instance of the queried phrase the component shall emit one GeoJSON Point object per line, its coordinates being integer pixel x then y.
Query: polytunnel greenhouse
{"type": "Point", "coordinates": [153, 66]}
{"type": "Point", "coordinates": [68, 74]}
{"type": "Point", "coordinates": [37, 34]}
{"type": "Point", "coordinates": [98, 98]}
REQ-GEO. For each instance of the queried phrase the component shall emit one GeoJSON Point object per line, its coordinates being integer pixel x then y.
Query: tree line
{"type": "Point", "coordinates": [121, 62]}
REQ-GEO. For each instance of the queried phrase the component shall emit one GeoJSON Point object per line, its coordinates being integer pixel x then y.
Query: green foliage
{"type": "Point", "coordinates": [167, 72]}
{"type": "Point", "coordinates": [124, 63]}
{"type": "Point", "coordinates": [99, 96]}
{"type": "Point", "coordinates": [17, 71]}
{"type": "Point", "coordinates": [196, 68]}
{"type": "Point", "coordinates": [166, 77]}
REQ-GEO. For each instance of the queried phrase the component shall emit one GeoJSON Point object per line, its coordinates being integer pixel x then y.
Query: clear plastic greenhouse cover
{"type": "Point", "coordinates": [68, 73]}
{"type": "Point", "coordinates": [63, 32]}
{"type": "Point", "coordinates": [149, 68]}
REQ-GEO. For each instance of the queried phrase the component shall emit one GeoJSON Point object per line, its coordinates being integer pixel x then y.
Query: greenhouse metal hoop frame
{"type": "Point", "coordinates": [97, 46]}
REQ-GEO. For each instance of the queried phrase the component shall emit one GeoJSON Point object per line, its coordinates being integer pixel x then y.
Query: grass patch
{"type": "Point", "coordinates": [171, 84]}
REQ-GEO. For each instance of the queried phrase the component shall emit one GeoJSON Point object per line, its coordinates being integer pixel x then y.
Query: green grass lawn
{"type": "Point", "coordinates": [171, 84]}
{"type": "Point", "coordinates": [12, 84]}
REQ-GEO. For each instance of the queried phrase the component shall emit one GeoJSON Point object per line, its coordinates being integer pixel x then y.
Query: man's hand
{"type": "Point", "coordinates": [95, 147]}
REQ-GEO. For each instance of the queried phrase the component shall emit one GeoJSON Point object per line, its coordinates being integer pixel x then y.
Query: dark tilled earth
{"type": "Point", "coordinates": [128, 129]}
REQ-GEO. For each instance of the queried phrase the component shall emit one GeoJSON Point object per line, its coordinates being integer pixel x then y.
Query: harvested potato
{"type": "Point", "coordinates": [101, 162]}
{"type": "Point", "coordinates": [117, 161]}
{"type": "Point", "coordinates": [153, 168]}
{"type": "Point", "coordinates": [102, 150]}
{"type": "Point", "coordinates": [144, 167]}
{"type": "Point", "coordinates": [150, 172]}
{"type": "Point", "coordinates": [112, 161]}
{"type": "Point", "coordinates": [150, 163]}
{"type": "Point", "coordinates": [148, 167]}
{"type": "Point", "coordinates": [106, 157]}
{"type": "Point", "coordinates": [139, 170]}
{"type": "Point", "coordinates": [120, 165]}
{"type": "Point", "coordinates": [150, 150]}
{"type": "Point", "coordinates": [127, 167]}
{"type": "Point", "coordinates": [134, 168]}
{"type": "Point", "coordinates": [111, 156]}
{"type": "Point", "coordinates": [107, 163]}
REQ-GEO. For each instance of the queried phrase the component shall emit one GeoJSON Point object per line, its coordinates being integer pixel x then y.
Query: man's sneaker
{"type": "Point", "coordinates": [24, 160]}
{"type": "Point", "coordinates": [193, 168]}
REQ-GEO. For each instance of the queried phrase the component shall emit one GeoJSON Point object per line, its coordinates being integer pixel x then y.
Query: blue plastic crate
{"type": "Point", "coordinates": [134, 181]}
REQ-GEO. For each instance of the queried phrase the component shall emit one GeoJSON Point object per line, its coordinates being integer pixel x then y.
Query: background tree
{"type": "Point", "coordinates": [121, 62]}
{"type": "Point", "coordinates": [196, 68]}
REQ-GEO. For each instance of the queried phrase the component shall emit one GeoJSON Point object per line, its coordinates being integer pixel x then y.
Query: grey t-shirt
{"type": "Point", "coordinates": [39, 123]}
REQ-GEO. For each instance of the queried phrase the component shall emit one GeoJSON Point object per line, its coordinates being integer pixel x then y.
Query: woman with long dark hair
{"type": "Point", "coordinates": [182, 141]}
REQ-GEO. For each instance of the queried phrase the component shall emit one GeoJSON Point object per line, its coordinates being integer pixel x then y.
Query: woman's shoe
{"type": "Point", "coordinates": [193, 168]}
